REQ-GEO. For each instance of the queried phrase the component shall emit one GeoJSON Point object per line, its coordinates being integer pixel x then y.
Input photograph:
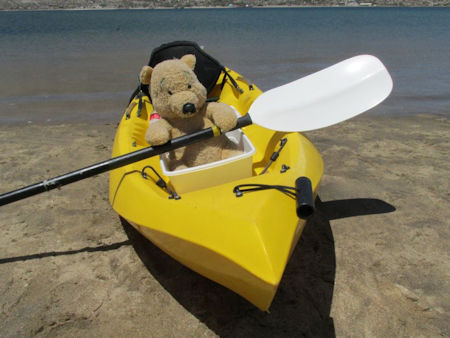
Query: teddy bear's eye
{"type": "Point", "coordinates": [189, 86]}
{"type": "Point", "coordinates": [170, 93]}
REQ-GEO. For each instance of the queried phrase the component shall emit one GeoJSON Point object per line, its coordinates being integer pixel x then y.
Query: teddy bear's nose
{"type": "Point", "coordinates": [188, 108]}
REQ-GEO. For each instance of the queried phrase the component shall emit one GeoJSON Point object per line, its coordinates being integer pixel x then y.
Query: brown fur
{"type": "Point", "coordinates": [173, 84]}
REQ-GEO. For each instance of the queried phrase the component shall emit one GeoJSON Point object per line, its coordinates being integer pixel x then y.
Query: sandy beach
{"type": "Point", "coordinates": [374, 260]}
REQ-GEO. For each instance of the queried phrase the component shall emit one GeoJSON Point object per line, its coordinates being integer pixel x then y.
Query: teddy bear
{"type": "Point", "coordinates": [180, 107]}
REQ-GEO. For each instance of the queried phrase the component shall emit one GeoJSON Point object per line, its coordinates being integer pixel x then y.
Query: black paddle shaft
{"type": "Point", "coordinates": [113, 163]}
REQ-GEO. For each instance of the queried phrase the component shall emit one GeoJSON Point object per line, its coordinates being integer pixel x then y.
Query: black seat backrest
{"type": "Point", "coordinates": [206, 68]}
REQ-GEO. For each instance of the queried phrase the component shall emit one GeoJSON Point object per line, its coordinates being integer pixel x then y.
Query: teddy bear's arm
{"type": "Point", "coordinates": [222, 115]}
{"type": "Point", "coordinates": [158, 132]}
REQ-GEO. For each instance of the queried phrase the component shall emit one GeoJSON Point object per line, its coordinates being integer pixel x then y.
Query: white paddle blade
{"type": "Point", "coordinates": [327, 97]}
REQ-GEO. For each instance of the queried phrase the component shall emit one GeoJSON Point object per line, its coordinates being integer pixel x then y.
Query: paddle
{"type": "Point", "coordinates": [319, 100]}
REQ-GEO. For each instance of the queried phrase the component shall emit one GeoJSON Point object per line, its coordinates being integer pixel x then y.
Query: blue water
{"type": "Point", "coordinates": [82, 65]}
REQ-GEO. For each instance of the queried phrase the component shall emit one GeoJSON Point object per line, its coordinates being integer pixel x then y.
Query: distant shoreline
{"type": "Point", "coordinates": [37, 6]}
{"type": "Point", "coordinates": [196, 8]}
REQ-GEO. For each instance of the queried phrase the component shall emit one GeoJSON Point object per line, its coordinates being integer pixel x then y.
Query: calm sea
{"type": "Point", "coordinates": [82, 65]}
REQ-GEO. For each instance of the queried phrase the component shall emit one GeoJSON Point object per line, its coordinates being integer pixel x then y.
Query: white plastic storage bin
{"type": "Point", "coordinates": [214, 173]}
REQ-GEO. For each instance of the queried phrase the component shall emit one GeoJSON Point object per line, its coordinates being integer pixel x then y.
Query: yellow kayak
{"type": "Point", "coordinates": [242, 243]}
{"type": "Point", "coordinates": [233, 221]}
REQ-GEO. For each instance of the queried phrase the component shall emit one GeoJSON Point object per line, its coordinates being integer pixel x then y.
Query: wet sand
{"type": "Point", "coordinates": [374, 260]}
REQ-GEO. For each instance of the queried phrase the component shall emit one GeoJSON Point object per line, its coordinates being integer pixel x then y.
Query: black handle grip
{"type": "Point", "coordinates": [305, 197]}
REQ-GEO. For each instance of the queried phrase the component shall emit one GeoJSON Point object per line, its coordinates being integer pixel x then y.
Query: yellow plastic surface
{"type": "Point", "coordinates": [241, 243]}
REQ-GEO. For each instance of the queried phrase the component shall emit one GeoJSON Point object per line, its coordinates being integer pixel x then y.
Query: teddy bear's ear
{"type": "Point", "coordinates": [145, 75]}
{"type": "Point", "coordinates": [190, 60]}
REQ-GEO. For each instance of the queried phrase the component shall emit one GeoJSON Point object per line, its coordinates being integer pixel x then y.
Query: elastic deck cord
{"type": "Point", "coordinates": [239, 190]}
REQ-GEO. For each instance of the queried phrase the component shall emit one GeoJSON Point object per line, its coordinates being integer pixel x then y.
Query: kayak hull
{"type": "Point", "coordinates": [242, 243]}
{"type": "Point", "coordinates": [206, 262]}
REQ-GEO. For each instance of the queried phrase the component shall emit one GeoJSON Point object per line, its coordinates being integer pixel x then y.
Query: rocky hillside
{"type": "Point", "coordinates": [94, 4]}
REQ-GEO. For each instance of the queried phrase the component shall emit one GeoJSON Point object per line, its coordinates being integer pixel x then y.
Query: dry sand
{"type": "Point", "coordinates": [374, 260]}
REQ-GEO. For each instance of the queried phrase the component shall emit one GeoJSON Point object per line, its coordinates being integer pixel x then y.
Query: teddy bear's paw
{"type": "Point", "coordinates": [223, 116]}
{"type": "Point", "coordinates": [156, 135]}
{"type": "Point", "coordinates": [225, 121]}
{"type": "Point", "coordinates": [228, 153]}
{"type": "Point", "coordinates": [180, 167]}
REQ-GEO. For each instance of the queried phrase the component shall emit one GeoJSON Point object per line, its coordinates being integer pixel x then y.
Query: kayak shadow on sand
{"type": "Point", "coordinates": [302, 304]}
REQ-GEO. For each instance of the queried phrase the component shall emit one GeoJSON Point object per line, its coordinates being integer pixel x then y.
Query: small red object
{"type": "Point", "coordinates": [155, 116]}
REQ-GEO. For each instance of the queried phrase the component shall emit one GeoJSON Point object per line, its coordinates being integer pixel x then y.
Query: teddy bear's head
{"type": "Point", "coordinates": [175, 90]}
